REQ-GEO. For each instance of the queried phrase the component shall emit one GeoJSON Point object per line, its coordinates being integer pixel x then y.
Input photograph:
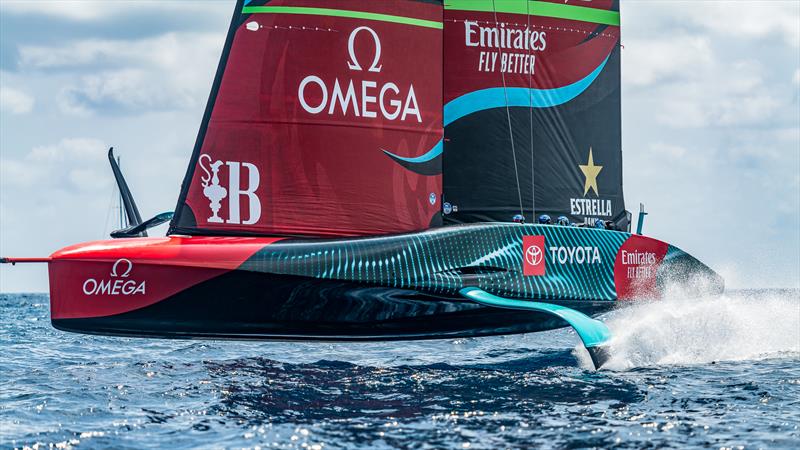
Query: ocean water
{"type": "Point", "coordinates": [716, 373]}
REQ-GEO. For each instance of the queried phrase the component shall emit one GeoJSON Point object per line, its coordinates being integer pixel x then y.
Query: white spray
{"type": "Point", "coordinates": [680, 330]}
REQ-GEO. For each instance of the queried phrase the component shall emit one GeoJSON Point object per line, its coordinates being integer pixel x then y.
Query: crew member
{"type": "Point", "coordinates": [544, 219]}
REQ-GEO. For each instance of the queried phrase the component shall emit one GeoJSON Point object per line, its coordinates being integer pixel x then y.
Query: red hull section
{"type": "Point", "coordinates": [104, 278]}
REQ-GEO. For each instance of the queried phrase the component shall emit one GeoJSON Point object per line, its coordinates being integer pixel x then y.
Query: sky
{"type": "Point", "coordinates": [711, 123]}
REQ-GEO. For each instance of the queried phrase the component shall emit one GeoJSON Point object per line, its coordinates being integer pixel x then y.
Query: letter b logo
{"type": "Point", "coordinates": [236, 192]}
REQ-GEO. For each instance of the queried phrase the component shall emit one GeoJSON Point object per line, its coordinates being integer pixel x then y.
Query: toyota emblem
{"type": "Point", "coordinates": [533, 255]}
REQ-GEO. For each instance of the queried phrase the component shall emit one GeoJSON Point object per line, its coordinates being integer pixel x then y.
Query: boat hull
{"type": "Point", "coordinates": [249, 305]}
{"type": "Point", "coordinates": [386, 288]}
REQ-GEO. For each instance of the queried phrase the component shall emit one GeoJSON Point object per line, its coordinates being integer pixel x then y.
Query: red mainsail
{"type": "Point", "coordinates": [315, 107]}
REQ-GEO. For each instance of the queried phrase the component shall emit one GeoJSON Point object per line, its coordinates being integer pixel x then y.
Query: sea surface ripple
{"type": "Point", "coordinates": [713, 373]}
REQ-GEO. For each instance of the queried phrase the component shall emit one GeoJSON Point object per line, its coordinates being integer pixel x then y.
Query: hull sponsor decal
{"type": "Point", "coordinates": [533, 263]}
{"type": "Point", "coordinates": [636, 267]}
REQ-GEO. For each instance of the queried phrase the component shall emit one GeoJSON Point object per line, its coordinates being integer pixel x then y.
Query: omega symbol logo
{"type": "Point", "coordinates": [126, 264]}
{"type": "Point", "coordinates": [353, 64]}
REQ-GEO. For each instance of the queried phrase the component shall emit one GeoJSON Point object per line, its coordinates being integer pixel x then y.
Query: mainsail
{"type": "Point", "coordinates": [314, 104]}
{"type": "Point", "coordinates": [532, 110]}
{"type": "Point", "coordinates": [351, 118]}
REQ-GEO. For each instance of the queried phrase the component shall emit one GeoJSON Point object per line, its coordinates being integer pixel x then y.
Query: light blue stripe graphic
{"type": "Point", "coordinates": [517, 96]}
{"type": "Point", "coordinates": [427, 156]}
{"type": "Point", "coordinates": [495, 98]}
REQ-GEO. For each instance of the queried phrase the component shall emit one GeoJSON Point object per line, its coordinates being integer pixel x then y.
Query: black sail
{"type": "Point", "coordinates": [532, 112]}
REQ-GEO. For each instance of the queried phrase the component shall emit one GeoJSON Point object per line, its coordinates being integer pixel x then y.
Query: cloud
{"type": "Point", "coordinates": [97, 10]}
{"type": "Point", "coordinates": [74, 164]}
{"type": "Point", "coordinates": [695, 82]}
{"type": "Point", "coordinates": [743, 20]}
{"type": "Point", "coordinates": [712, 130]}
{"type": "Point", "coordinates": [171, 71]}
{"type": "Point", "coordinates": [15, 101]}
{"type": "Point", "coordinates": [124, 91]}
{"type": "Point", "coordinates": [755, 19]}
{"type": "Point", "coordinates": [651, 60]}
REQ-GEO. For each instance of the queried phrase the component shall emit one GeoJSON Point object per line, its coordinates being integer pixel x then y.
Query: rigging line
{"type": "Point", "coordinates": [530, 115]}
{"type": "Point", "coordinates": [508, 115]}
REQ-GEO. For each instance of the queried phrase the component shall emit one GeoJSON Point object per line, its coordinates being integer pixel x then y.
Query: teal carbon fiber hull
{"type": "Point", "coordinates": [408, 286]}
{"type": "Point", "coordinates": [567, 263]}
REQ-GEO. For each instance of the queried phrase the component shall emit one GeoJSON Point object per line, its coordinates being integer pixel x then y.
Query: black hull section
{"type": "Point", "coordinates": [258, 306]}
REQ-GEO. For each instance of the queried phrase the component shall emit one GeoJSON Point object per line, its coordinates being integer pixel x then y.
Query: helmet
{"type": "Point", "coordinates": [519, 218]}
{"type": "Point", "coordinates": [599, 224]}
{"type": "Point", "coordinates": [563, 221]}
{"type": "Point", "coordinates": [545, 219]}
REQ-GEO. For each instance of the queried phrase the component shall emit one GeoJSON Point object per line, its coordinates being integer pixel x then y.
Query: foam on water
{"type": "Point", "coordinates": [682, 331]}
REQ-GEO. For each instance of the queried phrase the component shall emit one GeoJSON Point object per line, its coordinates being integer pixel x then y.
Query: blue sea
{"type": "Point", "coordinates": [719, 372]}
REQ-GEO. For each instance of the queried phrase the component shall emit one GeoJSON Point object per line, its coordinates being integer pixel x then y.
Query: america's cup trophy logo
{"type": "Point", "coordinates": [211, 188]}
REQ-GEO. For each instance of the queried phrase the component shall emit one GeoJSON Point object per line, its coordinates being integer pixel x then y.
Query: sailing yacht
{"type": "Point", "coordinates": [370, 171]}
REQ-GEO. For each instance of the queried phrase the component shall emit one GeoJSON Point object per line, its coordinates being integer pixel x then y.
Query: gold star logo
{"type": "Point", "coordinates": [590, 171]}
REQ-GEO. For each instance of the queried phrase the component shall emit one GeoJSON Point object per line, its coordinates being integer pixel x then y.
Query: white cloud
{"type": "Point", "coordinates": [650, 60]}
{"type": "Point", "coordinates": [98, 10]}
{"type": "Point", "coordinates": [128, 90]}
{"type": "Point", "coordinates": [73, 164]}
{"type": "Point", "coordinates": [692, 86]}
{"type": "Point", "coordinates": [747, 19]}
{"type": "Point", "coordinates": [171, 71]}
{"type": "Point", "coordinates": [711, 130]}
{"type": "Point", "coordinates": [15, 101]}
{"type": "Point", "coordinates": [738, 20]}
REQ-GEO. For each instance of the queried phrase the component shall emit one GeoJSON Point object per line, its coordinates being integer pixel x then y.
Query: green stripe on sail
{"type": "Point", "coordinates": [341, 13]}
{"type": "Point", "coordinates": [538, 8]}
